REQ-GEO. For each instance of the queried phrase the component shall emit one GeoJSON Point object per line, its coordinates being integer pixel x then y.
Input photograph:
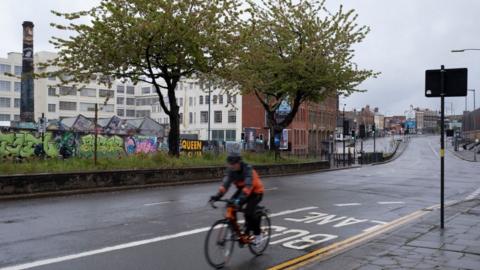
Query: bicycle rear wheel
{"type": "Point", "coordinates": [219, 243]}
{"type": "Point", "coordinates": [266, 231]}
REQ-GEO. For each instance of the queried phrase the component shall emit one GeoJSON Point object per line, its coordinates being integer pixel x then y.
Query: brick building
{"type": "Point", "coordinates": [311, 129]}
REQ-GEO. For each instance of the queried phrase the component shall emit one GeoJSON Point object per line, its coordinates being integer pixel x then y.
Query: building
{"type": "Point", "coordinates": [427, 121]}
{"type": "Point", "coordinates": [197, 108]}
{"type": "Point", "coordinates": [395, 124]}
{"type": "Point", "coordinates": [471, 125]}
{"type": "Point", "coordinates": [58, 102]}
{"type": "Point", "coordinates": [310, 132]}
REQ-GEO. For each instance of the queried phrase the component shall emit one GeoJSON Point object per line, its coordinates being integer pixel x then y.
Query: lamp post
{"type": "Point", "coordinates": [473, 90]}
{"type": "Point", "coordinates": [343, 135]}
{"type": "Point", "coordinates": [474, 105]}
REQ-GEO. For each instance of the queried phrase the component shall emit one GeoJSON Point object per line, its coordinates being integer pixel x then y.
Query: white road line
{"type": "Point", "coordinates": [156, 203]}
{"type": "Point", "coordinates": [129, 245]}
{"type": "Point", "coordinates": [473, 195]}
{"type": "Point", "coordinates": [433, 150]}
{"type": "Point", "coordinates": [347, 204]}
{"type": "Point", "coordinates": [390, 202]}
{"type": "Point", "coordinates": [273, 188]}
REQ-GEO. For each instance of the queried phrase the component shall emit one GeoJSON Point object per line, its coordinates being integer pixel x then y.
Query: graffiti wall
{"type": "Point", "coordinates": [68, 144]}
{"type": "Point", "coordinates": [141, 144]}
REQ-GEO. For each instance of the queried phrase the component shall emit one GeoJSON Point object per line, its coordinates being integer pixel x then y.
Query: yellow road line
{"type": "Point", "coordinates": [327, 251]}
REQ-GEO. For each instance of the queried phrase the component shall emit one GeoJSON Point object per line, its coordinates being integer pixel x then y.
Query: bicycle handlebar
{"type": "Point", "coordinates": [212, 203]}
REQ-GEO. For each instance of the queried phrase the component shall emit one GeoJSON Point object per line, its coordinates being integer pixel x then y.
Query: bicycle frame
{"type": "Point", "coordinates": [231, 216]}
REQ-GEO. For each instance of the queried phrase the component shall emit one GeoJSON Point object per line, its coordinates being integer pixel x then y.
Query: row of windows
{"type": "Point", "coordinates": [6, 102]}
{"type": "Point", "coordinates": [130, 89]}
{"type": "Point", "coordinates": [6, 86]}
{"type": "Point", "coordinates": [4, 68]}
{"type": "Point", "coordinates": [216, 99]}
{"type": "Point", "coordinates": [127, 113]}
{"type": "Point", "coordinates": [130, 101]}
{"type": "Point", "coordinates": [6, 117]}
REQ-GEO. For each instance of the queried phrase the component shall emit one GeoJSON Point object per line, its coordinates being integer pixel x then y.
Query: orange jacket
{"type": "Point", "coordinates": [246, 179]}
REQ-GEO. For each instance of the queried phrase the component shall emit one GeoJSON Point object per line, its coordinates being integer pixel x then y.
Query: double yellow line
{"type": "Point", "coordinates": [325, 252]}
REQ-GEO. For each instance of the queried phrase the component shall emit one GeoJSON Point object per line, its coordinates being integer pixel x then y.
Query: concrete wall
{"type": "Point", "coordinates": [36, 184]}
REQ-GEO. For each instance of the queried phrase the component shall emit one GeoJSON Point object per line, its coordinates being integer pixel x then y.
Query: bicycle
{"type": "Point", "coordinates": [227, 231]}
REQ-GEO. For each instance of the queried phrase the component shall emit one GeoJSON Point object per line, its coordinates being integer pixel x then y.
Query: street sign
{"type": "Point", "coordinates": [455, 82]}
{"type": "Point", "coordinates": [444, 83]}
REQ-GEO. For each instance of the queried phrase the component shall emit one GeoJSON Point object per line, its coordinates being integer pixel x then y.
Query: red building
{"type": "Point", "coordinates": [310, 131]}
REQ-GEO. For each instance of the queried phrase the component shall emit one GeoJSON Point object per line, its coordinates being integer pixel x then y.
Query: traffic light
{"type": "Point", "coordinates": [353, 133]}
{"type": "Point", "coordinates": [346, 128]}
{"type": "Point", "coordinates": [373, 127]}
{"type": "Point", "coordinates": [362, 131]}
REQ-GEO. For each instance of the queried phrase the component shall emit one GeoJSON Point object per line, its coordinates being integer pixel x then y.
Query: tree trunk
{"type": "Point", "coordinates": [174, 135]}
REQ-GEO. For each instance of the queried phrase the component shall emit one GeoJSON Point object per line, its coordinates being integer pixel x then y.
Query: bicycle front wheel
{"type": "Point", "coordinates": [266, 230]}
{"type": "Point", "coordinates": [219, 244]}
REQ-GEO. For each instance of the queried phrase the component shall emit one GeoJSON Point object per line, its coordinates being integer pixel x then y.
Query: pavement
{"type": "Point", "coordinates": [382, 144]}
{"type": "Point", "coordinates": [421, 245]}
{"type": "Point", "coordinates": [468, 155]}
{"type": "Point", "coordinates": [165, 228]}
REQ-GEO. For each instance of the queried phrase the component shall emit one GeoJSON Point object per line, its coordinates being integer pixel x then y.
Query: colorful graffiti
{"type": "Point", "coordinates": [106, 146]}
{"type": "Point", "coordinates": [141, 144]}
{"type": "Point", "coordinates": [68, 144]}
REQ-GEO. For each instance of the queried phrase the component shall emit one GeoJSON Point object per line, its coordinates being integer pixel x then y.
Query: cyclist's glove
{"type": "Point", "coordinates": [215, 197]}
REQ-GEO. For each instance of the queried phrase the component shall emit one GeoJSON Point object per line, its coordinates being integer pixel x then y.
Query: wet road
{"type": "Point", "coordinates": [164, 228]}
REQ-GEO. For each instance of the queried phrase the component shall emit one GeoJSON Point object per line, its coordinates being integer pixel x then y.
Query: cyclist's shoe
{"type": "Point", "coordinates": [258, 240]}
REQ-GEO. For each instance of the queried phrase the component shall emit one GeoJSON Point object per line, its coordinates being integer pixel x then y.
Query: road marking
{"type": "Point", "coordinates": [157, 203]}
{"type": "Point", "coordinates": [347, 204]}
{"type": "Point", "coordinates": [391, 202]}
{"type": "Point", "coordinates": [473, 195]}
{"type": "Point", "coordinates": [129, 245]}
{"type": "Point", "coordinates": [270, 189]}
{"type": "Point", "coordinates": [433, 150]}
{"type": "Point", "coordinates": [327, 251]}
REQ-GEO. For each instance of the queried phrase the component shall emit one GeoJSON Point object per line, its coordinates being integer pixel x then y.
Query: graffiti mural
{"type": "Point", "coordinates": [141, 144]}
{"type": "Point", "coordinates": [106, 146]}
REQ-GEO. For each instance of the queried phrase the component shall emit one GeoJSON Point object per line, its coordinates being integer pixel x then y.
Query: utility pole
{"type": "Point", "coordinates": [442, 146]}
{"type": "Point", "coordinates": [209, 108]}
{"type": "Point", "coordinates": [343, 135]}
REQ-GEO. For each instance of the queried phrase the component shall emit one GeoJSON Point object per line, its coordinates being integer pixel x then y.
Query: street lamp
{"type": "Point", "coordinates": [343, 135]}
{"type": "Point", "coordinates": [463, 50]}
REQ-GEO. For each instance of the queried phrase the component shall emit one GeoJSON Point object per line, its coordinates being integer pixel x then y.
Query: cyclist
{"type": "Point", "coordinates": [249, 191]}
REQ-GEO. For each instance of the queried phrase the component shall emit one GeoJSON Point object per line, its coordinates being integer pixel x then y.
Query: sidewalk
{"type": "Point", "coordinates": [420, 245]}
{"type": "Point", "coordinates": [465, 154]}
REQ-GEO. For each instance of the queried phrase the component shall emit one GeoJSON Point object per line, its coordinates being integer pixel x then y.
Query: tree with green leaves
{"type": "Point", "coordinates": [154, 41]}
{"type": "Point", "coordinates": [296, 52]}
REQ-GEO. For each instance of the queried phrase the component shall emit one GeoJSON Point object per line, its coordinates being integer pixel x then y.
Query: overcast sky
{"type": "Point", "coordinates": [407, 37]}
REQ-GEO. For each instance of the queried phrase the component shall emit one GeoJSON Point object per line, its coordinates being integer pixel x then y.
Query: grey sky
{"type": "Point", "coordinates": [406, 38]}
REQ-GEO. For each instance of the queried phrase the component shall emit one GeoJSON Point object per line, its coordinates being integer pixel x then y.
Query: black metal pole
{"type": "Point", "coordinates": [96, 135]}
{"type": "Point", "coordinates": [43, 134]}
{"type": "Point", "coordinates": [209, 109]}
{"type": "Point", "coordinates": [343, 136]}
{"type": "Point", "coordinates": [442, 147]}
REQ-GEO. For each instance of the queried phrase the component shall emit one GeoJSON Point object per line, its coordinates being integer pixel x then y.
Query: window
{"type": "Point", "coordinates": [67, 91]}
{"type": "Point", "coordinates": [130, 113]}
{"type": "Point", "coordinates": [16, 103]}
{"type": "Point", "coordinates": [67, 106]}
{"type": "Point", "coordinates": [234, 99]}
{"type": "Point", "coordinates": [17, 86]}
{"type": "Point", "coordinates": [130, 101]}
{"type": "Point", "coordinates": [220, 99]}
{"type": "Point", "coordinates": [5, 103]}
{"type": "Point", "coordinates": [120, 100]}
{"type": "Point", "coordinates": [230, 135]}
{"type": "Point", "coordinates": [190, 118]}
{"type": "Point", "coordinates": [215, 98]}
{"type": "Point", "coordinates": [106, 93]}
{"type": "Point", "coordinates": [143, 113]}
{"type": "Point", "coordinates": [229, 99]}
{"type": "Point", "coordinates": [204, 117]}
{"type": "Point", "coordinates": [108, 108]}
{"type": "Point", "coordinates": [16, 117]}
{"type": "Point", "coordinates": [180, 118]}
{"type": "Point", "coordinates": [145, 90]}
{"type": "Point", "coordinates": [5, 68]}
{"type": "Point", "coordinates": [200, 101]}
{"type": "Point", "coordinates": [195, 117]}
{"type": "Point", "coordinates": [52, 91]}
{"type": "Point", "coordinates": [85, 107]}
{"type": "Point", "coordinates": [217, 116]}
{"type": "Point", "coordinates": [18, 70]}
{"type": "Point", "coordinates": [130, 90]}
{"type": "Point", "coordinates": [88, 92]}
{"type": "Point", "coordinates": [218, 135]}
{"type": "Point", "coordinates": [232, 116]}
{"type": "Point", "coordinates": [120, 89]}
{"type": "Point", "coordinates": [51, 78]}
{"type": "Point", "coordinates": [190, 101]}
{"type": "Point", "coordinates": [207, 99]}
{"type": "Point", "coordinates": [52, 107]}
{"type": "Point", "coordinates": [5, 86]}
{"type": "Point", "coordinates": [120, 112]}
{"type": "Point", "coordinates": [4, 117]}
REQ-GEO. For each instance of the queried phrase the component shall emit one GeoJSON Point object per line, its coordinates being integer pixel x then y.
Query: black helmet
{"type": "Point", "coordinates": [234, 158]}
